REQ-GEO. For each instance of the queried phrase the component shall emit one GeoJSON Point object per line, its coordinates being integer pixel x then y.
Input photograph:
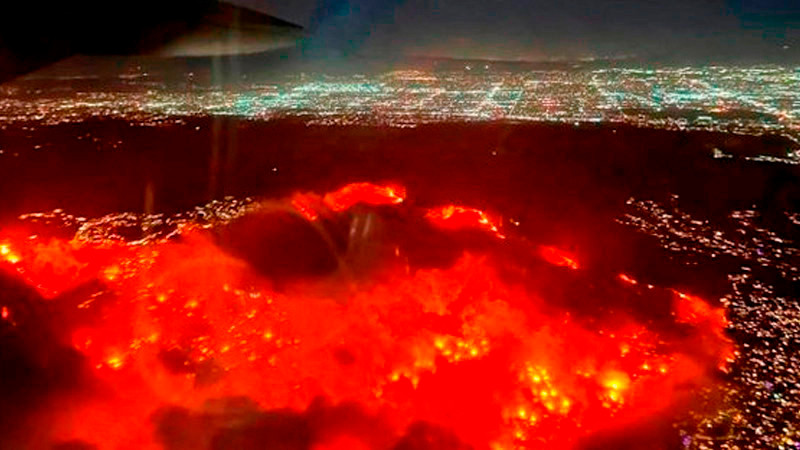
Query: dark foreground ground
{"type": "Point", "coordinates": [101, 166]}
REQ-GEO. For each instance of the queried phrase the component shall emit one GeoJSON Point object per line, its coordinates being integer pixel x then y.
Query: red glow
{"type": "Point", "coordinates": [694, 310]}
{"type": "Point", "coordinates": [342, 443]}
{"type": "Point", "coordinates": [53, 266]}
{"type": "Point", "coordinates": [558, 257]}
{"type": "Point", "coordinates": [627, 279]}
{"type": "Point", "coordinates": [307, 205]}
{"type": "Point", "coordinates": [452, 217]}
{"type": "Point", "coordinates": [367, 193]}
{"type": "Point", "coordinates": [8, 255]}
{"type": "Point", "coordinates": [457, 347]}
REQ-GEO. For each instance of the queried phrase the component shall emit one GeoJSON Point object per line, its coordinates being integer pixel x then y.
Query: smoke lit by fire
{"type": "Point", "coordinates": [189, 345]}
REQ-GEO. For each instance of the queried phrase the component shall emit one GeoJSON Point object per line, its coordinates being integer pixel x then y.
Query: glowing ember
{"type": "Point", "coordinates": [453, 217]}
{"type": "Point", "coordinates": [455, 354]}
{"type": "Point", "coordinates": [558, 257]}
{"type": "Point", "coordinates": [628, 279]}
{"type": "Point", "coordinates": [7, 255]}
{"type": "Point", "coordinates": [307, 205]}
{"type": "Point", "coordinates": [368, 193]}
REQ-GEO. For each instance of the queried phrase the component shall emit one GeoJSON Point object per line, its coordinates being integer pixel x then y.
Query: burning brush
{"type": "Point", "coordinates": [353, 319]}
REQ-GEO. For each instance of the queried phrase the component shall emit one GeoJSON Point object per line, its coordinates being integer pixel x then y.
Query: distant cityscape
{"type": "Point", "coordinates": [751, 100]}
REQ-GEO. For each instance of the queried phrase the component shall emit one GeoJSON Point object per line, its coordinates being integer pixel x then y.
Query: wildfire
{"type": "Point", "coordinates": [627, 279]}
{"type": "Point", "coordinates": [448, 354]}
{"type": "Point", "coordinates": [558, 257]}
{"type": "Point", "coordinates": [452, 217]}
{"type": "Point", "coordinates": [368, 193]}
{"type": "Point", "coordinates": [9, 256]}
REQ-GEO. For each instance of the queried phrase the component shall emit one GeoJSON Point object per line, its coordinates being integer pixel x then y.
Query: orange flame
{"type": "Point", "coordinates": [558, 257]}
{"type": "Point", "coordinates": [367, 193]}
{"type": "Point", "coordinates": [452, 217]}
{"type": "Point", "coordinates": [457, 347]}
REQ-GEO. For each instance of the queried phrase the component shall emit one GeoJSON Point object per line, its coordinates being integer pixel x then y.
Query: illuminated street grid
{"type": "Point", "coordinates": [746, 100]}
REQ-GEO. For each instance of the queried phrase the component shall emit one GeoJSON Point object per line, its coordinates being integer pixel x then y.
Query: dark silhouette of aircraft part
{"type": "Point", "coordinates": [33, 35]}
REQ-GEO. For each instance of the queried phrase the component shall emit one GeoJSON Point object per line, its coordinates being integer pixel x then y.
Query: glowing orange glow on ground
{"type": "Point", "coordinates": [695, 310]}
{"type": "Point", "coordinates": [53, 266]}
{"type": "Point", "coordinates": [452, 217]}
{"type": "Point", "coordinates": [367, 193]}
{"type": "Point", "coordinates": [7, 255]}
{"type": "Point", "coordinates": [455, 349]}
{"type": "Point", "coordinates": [627, 279]}
{"type": "Point", "coordinates": [306, 205]}
{"type": "Point", "coordinates": [558, 257]}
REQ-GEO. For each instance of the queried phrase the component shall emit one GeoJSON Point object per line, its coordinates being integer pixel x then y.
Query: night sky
{"type": "Point", "coordinates": [650, 30]}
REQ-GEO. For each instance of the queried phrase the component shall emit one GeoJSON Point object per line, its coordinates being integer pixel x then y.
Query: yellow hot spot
{"type": "Point", "coordinates": [111, 272]}
{"type": "Point", "coordinates": [439, 343]}
{"type": "Point", "coordinates": [115, 362]}
{"type": "Point", "coordinates": [616, 381]}
{"type": "Point", "coordinates": [4, 249]}
{"type": "Point", "coordinates": [268, 335]}
{"type": "Point", "coordinates": [522, 414]}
